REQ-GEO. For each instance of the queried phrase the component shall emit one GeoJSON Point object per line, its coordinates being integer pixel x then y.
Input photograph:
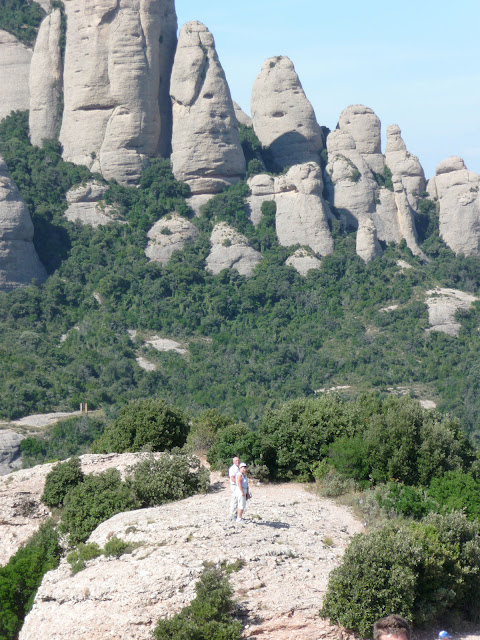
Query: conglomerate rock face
{"type": "Point", "coordinates": [10, 458]}
{"type": "Point", "coordinates": [231, 250]}
{"type": "Point", "coordinates": [19, 262]}
{"type": "Point", "coordinates": [46, 80]}
{"type": "Point", "coordinates": [86, 205]}
{"type": "Point", "coordinates": [117, 64]}
{"type": "Point", "coordinates": [206, 149]}
{"type": "Point", "coordinates": [283, 118]}
{"type": "Point", "coordinates": [456, 190]}
{"type": "Point", "coordinates": [15, 60]}
{"type": "Point", "coordinates": [168, 235]}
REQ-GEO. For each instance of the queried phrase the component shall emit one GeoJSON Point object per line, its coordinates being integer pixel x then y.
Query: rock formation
{"type": "Point", "coordinates": [443, 304]}
{"type": "Point", "coordinates": [19, 262]}
{"type": "Point", "coordinates": [206, 149]}
{"type": "Point", "coordinates": [367, 246]}
{"type": "Point", "coordinates": [46, 80]}
{"type": "Point", "coordinates": [168, 235]}
{"type": "Point", "coordinates": [456, 190]}
{"type": "Point", "coordinates": [86, 205]}
{"type": "Point", "coordinates": [231, 250]}
{"type": "Point", "coordinates": [283, 118]}
{"type": "Point", "coordinates": [242, 117]}
{"type": "Point", "coordinates": [302, 213]}
{"type": "Point", "coordinates": [15, 60]}
{"type": "Point", "coordinates": [363, 125]}
{"type": "Point", "coordinates": [303, 261]}
{"type": "Point", "coordinates": [117, 62]}
{"type": "Point", "coordinates": [10, 459]}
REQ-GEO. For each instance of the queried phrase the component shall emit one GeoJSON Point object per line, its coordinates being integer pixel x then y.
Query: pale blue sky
{"type": "Point", "coordinates": [415, 63]}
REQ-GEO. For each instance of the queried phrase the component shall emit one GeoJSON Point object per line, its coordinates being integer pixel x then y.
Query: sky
{"type": "Point", "coordinates": [415, 63]}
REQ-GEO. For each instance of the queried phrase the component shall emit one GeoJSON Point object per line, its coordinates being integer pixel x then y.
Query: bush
{"type": "Point", "coordinates": [61, 479]}
{"type": "Point", "coordinates": [403, 500]}
{"type": "Point", "coordinates": [236, 439]}
{"type": "Point", "coordinates": [209, 615]}
{"type": "Point", "coordinates": [457, 491]}
{"type": "Point", "coordinates": [116, 547]}
{"type": "Point", "coordinates": [172, 477]}
{"type": "Point", "coordinates": [93, 501]}
{"type": "Point", "coordinates": [419, 570]}
{"type": "Point", "coordinates": [78, 558]}
{"type": "Point", "coordinates": [204, 429]}
{"type": "Point", "coordinates": [22, 575]}
{"type": "Point", "coordinates": [144, 424]}
{"type": "Point", "coordinates": [349, 457]}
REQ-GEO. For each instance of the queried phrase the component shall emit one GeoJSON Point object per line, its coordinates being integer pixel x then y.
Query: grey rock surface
{"type": "Point", "coordinates": [456, 190]}
{"type": "Point", "coordinates": [86, 205]}
{"type": "Point", "coordinates": [242, 117]}
{"type": "Point", "coordinates": [367, 246]}
{"type": "Point", "coordinates": [46, 80]}
{"type": "Point", "coordinates": [10, 459]}
{"type": "Point", "coordinates": [303, 261]}
{"type": "Point", "coordinates": [168, 235]}
{"type": "Point", "coordinates": [206, 149]}
{"type": "Point", "coordinates": [365, 128]}
{"type": "Point", "coordinates": [283, 118]}
{"type": "Point", "coordinates": [19, 262]}
{"type": "Point", "coordinates": [262, 187]}
{"type": "Point", "coordinates": [15, 60]}
{"type": "Point", "coordinates": [116, 53]}
{"type": "Point", "coordinates": [404, 165]}
{"type": "Point", "coordinates": [231, 250]}
{"type": "Point", "coordinates": [443, 304]}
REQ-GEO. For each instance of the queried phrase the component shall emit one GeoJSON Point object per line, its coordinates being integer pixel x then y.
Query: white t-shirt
{"type": "Point", "coordinates": [232, 472]}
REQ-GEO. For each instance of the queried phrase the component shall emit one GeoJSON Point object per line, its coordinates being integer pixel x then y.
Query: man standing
{"type": "Point", "coordinates": [392, 628]}
{"type": "Point", "coordinates": [232, 474]}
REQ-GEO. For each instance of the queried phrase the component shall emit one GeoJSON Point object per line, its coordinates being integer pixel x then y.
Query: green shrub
{"type": "Point", "coordinates": [235, 439]}
{"type": "Point", "coordinates": [22, 575]}
{"type": "Point", "coordinates": [419, 570]}
{"type": "Point", "coordinates": [116, 547]}
{"type": "Point", "coordinates": [145, 424]}
{"type": "Point", "coordinates": [349, 457]}
{"type": "Point", "coordinates": [93, 501]}
{"type": "Point", "coordinates": [205, 428]}
{"type": "Point", "coordinates": [22, 18]}
{"type": "Point", "coordinates": [457, 491]}
{"type": "Point", "coordinates": [208, 617]}
{"type": "Point", "coordinates": [403, 500]}
{"type": "Point", "coordinates": [61, 479]}
{"type": "Point", "coordinates": [171, 477]}
{"type": "Point", "coordinates": [78, 558]}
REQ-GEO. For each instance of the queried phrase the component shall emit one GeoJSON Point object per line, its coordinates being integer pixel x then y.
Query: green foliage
{"type": "Point", "coordinates": [64, 439]}
{"type": "Point", "coordinates": [60, 480]}
{"type": "Point", "coordinates": [457, 491]}
{"type": "Point", "coordinates": [78, 558]}
{"type": "Point", "coordinates": [385, 179]}
{"type": "Point", "coordinates": [21, 18]}
{"type": "Point", "coordinates": [205, 429]}
{"type": "Point", "coordinates": [22, 575]}
{"type": "Point", "coordinates": [235, 439]}
{"type": "Point", "coordinates": [251, 145]}
{"type": "Point", "coordinates": [348, 454]}
{"type": "Point", "coordinates": [171, 477]}
{"type": "Point", "coordinates": [115, 547]}
{"type": "Point", "coordinates": [93, 501]}
{"type": "Point", "coordinates": [403, 500]}
{"type": "Point", "coordinates": [208, 617]}
{"type": "Point", "coordinates": [419, 570]}
{"type": "Point", "coordinates": [145, 424]}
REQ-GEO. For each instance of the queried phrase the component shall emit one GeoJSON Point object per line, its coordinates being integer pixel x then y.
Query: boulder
{"type": "Point", "coordinates": [168, 235]}
{"type": "Point", "coordinates": [10, 459]}
{"type": "Point", "coordinates": [86, 205]}
{"type": "Point", "coordinates": [303, 261]}
{"type": "Point", "coordinates": [368, 246]}
{"type": "Point", "coordinates": [364, 127]}
{"type": "Point", "coordinates": [231, 250]}
{"type": "Point", "coordinates": [15, 60]}
{"type": "Point", "coordinates": [19, 262]}
{"type": "Point", "coordinates": [283, 118]}
{"type": "Point", "coordinates": [262, 187]}
{"type": "Point", "coordinates": [443, 304]}
{"type": "Point", "coordinates": [206, 149]}
{"type": "Point", "coordinates": [456, 191]}
{"type": "Point", "coordinates": [241, 116]}
{"type": "Point", "coordinates": [46, 80]}
{"type": "Point", "coordinates": [117, 64]}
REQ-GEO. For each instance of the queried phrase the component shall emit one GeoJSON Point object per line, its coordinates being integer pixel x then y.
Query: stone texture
{"type": "Point", "coordinates": [86, 205]}
{"type": "Point", "coordinates": [302, 214]}
{"type": "Point", "coordinates": [456, 191]}
{"type": "Point", "coordinates": [368, 246]}
{"type": "Point", "coordinates": [46, 80]}
{"type": "Point", "coordinates": [283, 118]}
{"type": "Point", "coordinates": [364, 126]}
{"type": "Point", "coordinates": [404, 166]}
{"type": "Point", "coordinates": [167, 236]}
{"type": "Point", "coordinates": [231, 250]}
{"type": "Point", "coordinates": [117, 62]}
{"type": "Point", "coordinates": [280, 544]}
{"type": "Point", "coordinates": [15, 60]}
{"type": "Point", "coordinates": [303, 261]}
{"type": "Point", "coordinates": [206, 149]}
{"type": "Point", "coordinates": [242, 117]}
{"type": "Point", "coordinates": [262, 187]}
{"type": "Point", "coordinates": [443, 304]}
{"type": "Point", "coordinates": [19, 262]}
{"type": "Point", "coordinates": [10, 459]}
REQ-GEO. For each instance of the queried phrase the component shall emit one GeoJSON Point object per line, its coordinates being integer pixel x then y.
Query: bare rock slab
{"type": "Point", "coordinates": [86, 205]}
{"type": "Point", "coordinates": [10, 459]}
{"type": "Point", "coordinates": [231, 250]}
{"type": "Point", "coordinates": [168, 235]}
{"type": "Point", "coordinates": [443, 304]}
{"type": "Point", "coordinates": [303, 261]}
{"type": "Point", "coordinates": [15, 60]}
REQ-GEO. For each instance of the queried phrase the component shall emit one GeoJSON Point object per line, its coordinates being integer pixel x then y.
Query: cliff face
{"type": "Point", "coordinates": [15, 60]}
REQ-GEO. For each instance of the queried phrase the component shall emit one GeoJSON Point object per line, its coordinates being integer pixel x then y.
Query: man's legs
{"type": "Point", "coordinates": [233, 502]}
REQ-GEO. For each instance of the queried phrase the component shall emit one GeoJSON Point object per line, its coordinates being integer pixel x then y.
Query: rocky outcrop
{"type": "Point", "coordinates": [363, 125]}
{"type": "Point", "coordinates": [46, 80]}
{"type": "Point", "coordinates": [262, 187]}
{"type": "Point", "coordinates": [86, 205]}
{"type": "Point", "coordinates": [231, 250]}
{"type": "Point", "coordinates": [19, 262]}
{"type": "Point", "coordinates": [242, 117]}
{"type": "Point", "coordinates": [168, 235]}
{"type": "Point", "coordinates": [206, 149]}
{"type": "Point", "coordinates": [404, 166]}
{"type": "Point", "coordinates": [303, 261]}
{"type": "Point", "coordinates": [279, 545]}
{"type": "Point", "coordinates": [283, 118]}
{"type": "Point", "coordinates": [15, 60]}
{"type": "Point", "coordinates": [367, 246]}
{"type": "Point", "coordinates": [456, 191]}
{"type": "Point", "coordinates": [10, 459]}
{"type": "Point", "coordinates": [117, 64]}
{"type": "Point", "coordinates": [443, 304]}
